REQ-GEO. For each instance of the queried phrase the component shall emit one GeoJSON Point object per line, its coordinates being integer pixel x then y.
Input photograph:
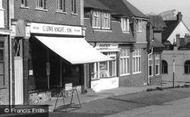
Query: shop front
{"type": "Point", "coordinates": [57, 55]}
{"type": "Point", "coordinates": [104, 75]}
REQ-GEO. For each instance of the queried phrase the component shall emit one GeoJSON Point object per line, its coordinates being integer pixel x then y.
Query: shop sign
{"type": "Point", "coordinates": [68, 86]}
{"type": "Point", "coordinates": [55, 29]}
{"type": "Point", "coordinates": [106, 46]}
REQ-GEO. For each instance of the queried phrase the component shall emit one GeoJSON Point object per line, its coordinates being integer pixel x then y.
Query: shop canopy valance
{"type": "Point", "coordinates": [74, 50]}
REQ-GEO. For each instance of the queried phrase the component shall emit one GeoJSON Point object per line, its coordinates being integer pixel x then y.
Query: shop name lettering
{"type": "Point", "coordinates": [59, 29]}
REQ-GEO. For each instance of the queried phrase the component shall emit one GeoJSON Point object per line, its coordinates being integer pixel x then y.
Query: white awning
{"type": "Point", "coordinates": [74, 50]}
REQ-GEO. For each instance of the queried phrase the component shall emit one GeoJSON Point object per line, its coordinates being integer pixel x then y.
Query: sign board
{"type": "Point", "coordinates": [68, 86]}
{"type": "Point", "coordinates": [40, 28]}
{"type": "Point", "coordinates": [107, 46]}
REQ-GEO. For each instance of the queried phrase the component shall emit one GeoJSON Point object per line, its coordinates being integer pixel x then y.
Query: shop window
{"type": "Point", "coordinates": [93, 69]}
{"type": "Point", "coordinates": [150, 65]}
{"type": "Point", "coordinates": [74, 6]}
{"type": "Point", "coordinates": [2, 78]}
{"type": "Point", "coordinates": [125, 24]}
{"type": "Point", "coordinates": [96, 19]}
{"type": "Point", "coordinates": [124, 62]}
{"type": "Point", "coordinates": [24, 3]}
{"type": "Point", "coordinates": [157, 64]}
{"type": "Point", "coordinates": [136, 61]}
{"type": "Point", "coordinates": [42, 4]}
{"type": "Point", "coordinates": [187, 67]}
{"type": "Point", "coordinates": [61, 5]}
{"type": "Point", "coordinates": [105, 21]}
{"type": "Point", "coordinates": [164, 67]}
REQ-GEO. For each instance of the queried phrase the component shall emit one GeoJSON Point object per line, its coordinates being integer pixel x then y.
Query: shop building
{"type": "Point", "coordinates": [49, 49]}
{"type": "Point", "coordinates": [119, 31]}
{"type": "Point", "coordinates": [4, 52]}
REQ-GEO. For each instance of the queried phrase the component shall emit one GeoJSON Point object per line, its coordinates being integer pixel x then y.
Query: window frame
{"type": "Point", "coordinates": [157, 64]}
{"type": "Point", "coordinates": [24, 3]}
{"type": "Point", "coordinates": [96, 19]}
{"type": "Point", "coordinates": [62, 7]}
{"type": "Point", "coordinates": [106, 19]}
{"type": "Point", "coordinates": [187, 67]}
{"type": "Point", "coordinates": [164, 67]}
{"type": "Point", "coordinates": [136, 61]}
{"type": "Point", "coordinates": [125, 25]}
{"type": "Point", "coordinates": [41, 4]}
{"type": "Point", "coordinates": [3, 62]}
{"type": "Point", "coordinates": [74, 6]}
{"type": "Point", "coordinates": [124, 62]}
{"type": "Point", "coordinates": [150, 64]}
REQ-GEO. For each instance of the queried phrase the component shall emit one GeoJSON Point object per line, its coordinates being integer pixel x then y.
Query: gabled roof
{"type": "Point", "coordinates": [170, 26]}
{"type": "Point", "coordinates": [95, 4]}
{"type": "Point", "coordinates": [157, 22]}
{"type": "Point", "coordinates": [123, 7]}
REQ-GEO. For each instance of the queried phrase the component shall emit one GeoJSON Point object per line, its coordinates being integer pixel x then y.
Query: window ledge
{"type": "Point", "coordinates": [137, 72]}
{"type": "Point", "coordinates": [125, 74]}
{"type": "Point", "coordinates": [75, 14]}
{"type": "Point", "coordinates": [102, 30]}
{"type": "Point", "coordinates": [41, 9]}
{"type": "Point", "coordinates": [24, 7]}
{"type": "Point", "coordinates": [62, 12]}
{"type": "Point", "coordinates": [126, 32]}
{"type": "Point", "coordinates": [95, 79]}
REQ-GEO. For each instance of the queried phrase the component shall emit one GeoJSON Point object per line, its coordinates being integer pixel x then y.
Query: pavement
{"type": "Point", "coordinates": [92, 96]}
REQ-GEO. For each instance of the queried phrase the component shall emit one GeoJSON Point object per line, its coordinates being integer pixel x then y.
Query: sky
{"type": "Point", "coordinates": [158, 6]}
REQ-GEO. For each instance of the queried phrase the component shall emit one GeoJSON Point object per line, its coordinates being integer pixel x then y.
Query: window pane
{"type": "Point", "coordinates": [104, 69]}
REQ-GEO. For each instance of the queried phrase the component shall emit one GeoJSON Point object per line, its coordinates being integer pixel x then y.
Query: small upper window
{"type": "Point", "coordinates": [125, 24]}
{"type": "Point", "coordinates": [96, 19]}
{"type": "Point", "coordinates": [187, 67]}
{"type": "Point", "coordinates": [105, 21]}
{"type": "Point", "coordinates": [74, 6]}
{"type": "Point", "coordinates": [24, 3]}
{"type": "Point", "coordinates": [61, 5]}
{"type": "Point", "coordinates": [42, 4]}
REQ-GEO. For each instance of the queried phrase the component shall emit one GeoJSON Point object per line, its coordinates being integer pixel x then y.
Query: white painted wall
{"type": "Point", "coordinates": [180, 29]}
{"type": "Point", "coordinates": [104, 84]}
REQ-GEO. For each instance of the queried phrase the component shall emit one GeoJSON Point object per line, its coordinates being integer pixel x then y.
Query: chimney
{"type": "Point", "coordinates": [179, 17]}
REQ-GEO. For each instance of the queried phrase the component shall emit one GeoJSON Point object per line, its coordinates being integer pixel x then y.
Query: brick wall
{"type": "Point", "coordinates": [137, 79]}
{"type": "Point", "coordinates": [50, 15]}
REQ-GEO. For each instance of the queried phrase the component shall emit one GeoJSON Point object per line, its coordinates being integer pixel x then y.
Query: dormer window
{"type": "Point", "coordinates": [101, 20]}
{"type": "Point", "coordinates": [139, 25]}
{"type": "Point", "coordinates": [125, 24]}
{"type": "Point", "coordinates": [105, 21]}
{"type": "Point", "coordinates": [96, 19]}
